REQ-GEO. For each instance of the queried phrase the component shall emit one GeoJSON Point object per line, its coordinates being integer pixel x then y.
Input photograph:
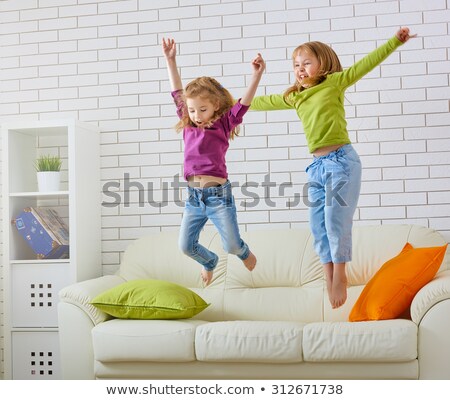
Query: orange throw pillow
{"type": "Point", "coordinates": [391, 290]}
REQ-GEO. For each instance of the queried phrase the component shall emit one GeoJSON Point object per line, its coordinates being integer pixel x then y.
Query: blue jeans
{"type": "Point", "coordinates": [333, 192]}
{"type": "Point", "coordinates": [216, 204]}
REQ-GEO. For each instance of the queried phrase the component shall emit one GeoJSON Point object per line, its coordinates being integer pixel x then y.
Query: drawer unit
{"type": "Point", "coordinates": [35, 288]}
{"type": "Point", "coordinates": [36, 355]}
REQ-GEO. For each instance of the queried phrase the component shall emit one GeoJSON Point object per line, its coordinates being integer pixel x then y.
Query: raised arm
{"type": "Point", "coordinates": [170, 51]}
{"type": "Point", "coordinates": [259, 66]}
{"type": "Point", "coordinates": [370, 61]}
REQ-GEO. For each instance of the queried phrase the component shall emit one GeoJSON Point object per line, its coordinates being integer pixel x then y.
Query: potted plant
{"type": "Point", "coordinates": [48, 173]}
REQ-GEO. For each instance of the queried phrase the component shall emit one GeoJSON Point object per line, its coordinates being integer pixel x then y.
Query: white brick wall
{"type": "Point", "coordinates": [100, 61]}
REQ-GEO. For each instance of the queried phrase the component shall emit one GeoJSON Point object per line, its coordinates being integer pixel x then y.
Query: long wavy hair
{"type": "Point", "coordinates": [328, 64]}
{"type": "Point", "coordinates": [211, 90]}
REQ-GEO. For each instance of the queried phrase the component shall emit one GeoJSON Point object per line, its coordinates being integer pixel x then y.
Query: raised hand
{"type": "Point", "coordinates": [258, 64]}
{"type": "Point", "coordinates": [403, 34]}
{"type": "Point", "coordinates": [169, 48]}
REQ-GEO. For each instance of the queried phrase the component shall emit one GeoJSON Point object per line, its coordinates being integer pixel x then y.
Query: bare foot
{"type": "Point", "coordinates": [339, 292]}
{"type": "Point", "coordinates": [339, 287]}
{"type": "Point", "coordinates": [206, 276]}
{"type": "Point", "coordinates": [250, 262]}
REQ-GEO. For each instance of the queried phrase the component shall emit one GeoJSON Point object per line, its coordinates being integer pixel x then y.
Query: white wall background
{"type": "Point", "coordinates": [100, 61]}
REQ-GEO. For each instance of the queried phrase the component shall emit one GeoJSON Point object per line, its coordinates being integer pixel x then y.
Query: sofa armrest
{"type": "Point", "coordinates": [77, 317]}
{"type": "Point", "coordinates": [432, 293]}
{"type": "Point", "coordinates": [430, 310]}
{"type": "Point", "coordinates": [81, 294]}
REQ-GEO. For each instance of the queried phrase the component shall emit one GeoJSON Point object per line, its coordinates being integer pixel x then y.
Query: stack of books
{"type": "Point", "coordinates": [44, 231]}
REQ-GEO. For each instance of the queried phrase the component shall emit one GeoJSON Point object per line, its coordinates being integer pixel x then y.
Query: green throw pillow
{"type": "Point", "coordinates": [150, 299]}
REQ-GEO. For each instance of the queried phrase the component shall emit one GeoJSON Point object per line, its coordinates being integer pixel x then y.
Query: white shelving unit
{"type": "Point", "coordinates": [31, 285]}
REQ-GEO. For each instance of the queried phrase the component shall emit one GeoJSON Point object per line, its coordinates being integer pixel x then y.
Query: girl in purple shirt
{"type": "Point", "coordinates": [209, 118]}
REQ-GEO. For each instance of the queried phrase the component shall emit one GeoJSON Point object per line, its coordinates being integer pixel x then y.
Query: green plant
{"type": "Point", "coordinates": [48, 163]}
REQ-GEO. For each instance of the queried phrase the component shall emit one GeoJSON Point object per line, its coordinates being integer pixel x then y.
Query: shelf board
{"type": "Point", "coordinates": [40, 194]}
{"type": "Point", "coordinates": [35, 329]}
{"type": "Point", "coordinates": [42, 261]}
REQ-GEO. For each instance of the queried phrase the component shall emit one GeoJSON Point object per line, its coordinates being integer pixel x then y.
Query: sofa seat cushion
{"type": "Point", "coordinates": [372, 341]}
{"type": "Point", "coordinates": [249, 341]}
{"type": "Point", "coordinates": [120, 340]}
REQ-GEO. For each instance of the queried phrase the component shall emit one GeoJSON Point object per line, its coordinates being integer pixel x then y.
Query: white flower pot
{"type": "Point", "coordinates": [48, 181]}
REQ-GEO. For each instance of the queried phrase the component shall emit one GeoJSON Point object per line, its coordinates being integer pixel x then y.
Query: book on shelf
{"type": "Point", "coordinates": [44, 231]}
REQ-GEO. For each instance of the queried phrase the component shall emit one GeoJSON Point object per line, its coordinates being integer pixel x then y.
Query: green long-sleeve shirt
{"type": "Point", "coordinates": [321, 107]}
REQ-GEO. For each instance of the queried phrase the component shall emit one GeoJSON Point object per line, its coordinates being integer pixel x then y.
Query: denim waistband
{"type": "Point", "coordinates": [333, 155]}
{"type": "Point", "coordinates": [345, 149]}
{"type": "Point", "coordinates": [212, 190]}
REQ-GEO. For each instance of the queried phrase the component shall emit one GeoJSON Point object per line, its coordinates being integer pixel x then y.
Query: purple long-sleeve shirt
{"type": "Point", "coordinates": [205, 149]}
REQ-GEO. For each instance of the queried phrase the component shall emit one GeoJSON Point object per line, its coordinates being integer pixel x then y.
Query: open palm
{"type": "Point", "coordinates": [169, 48]}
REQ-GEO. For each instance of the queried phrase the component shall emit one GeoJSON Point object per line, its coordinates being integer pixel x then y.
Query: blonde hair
{"type": "Point", "coordinates": [328, 64]}
{"type": "Point", "coordinates": [209, 89]}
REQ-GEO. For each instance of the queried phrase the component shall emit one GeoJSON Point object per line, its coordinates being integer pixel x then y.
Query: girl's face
{"type": "Point", "coordinates": [201, 111]}
{"type": "Point", "coordinates": [305, 65]}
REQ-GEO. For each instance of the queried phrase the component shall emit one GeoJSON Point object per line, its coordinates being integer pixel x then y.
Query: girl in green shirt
{"type": "Point", "coordinates": [334, 176]}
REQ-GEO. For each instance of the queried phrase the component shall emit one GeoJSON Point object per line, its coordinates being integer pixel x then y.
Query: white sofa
{"type": "Point", "coordinates": [273, 323]}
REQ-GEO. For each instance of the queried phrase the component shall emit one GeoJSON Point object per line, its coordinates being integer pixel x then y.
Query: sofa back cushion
{"type": "Point", "coordinates": [286, 285]}
{"type": "Point", "coordinates": [157, 256]}
{"type": "Point", "coordinates": [374, 245]}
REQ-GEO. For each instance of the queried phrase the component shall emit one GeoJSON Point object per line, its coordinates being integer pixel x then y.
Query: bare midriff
{"type": "Point", "coordinates": [204, 181]}
{"type": "Point", "coordinates": [323, 151]}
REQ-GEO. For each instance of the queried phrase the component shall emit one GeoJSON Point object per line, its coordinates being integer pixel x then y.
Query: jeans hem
{"type": "Point", "coordinates": [342, 261]}
{"type": "Point", "coordinates": [338, 261]}
{"type": "Point", "coordinates": [208, 268]}
{"type": "Point", "coordinates": [246, 254]}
